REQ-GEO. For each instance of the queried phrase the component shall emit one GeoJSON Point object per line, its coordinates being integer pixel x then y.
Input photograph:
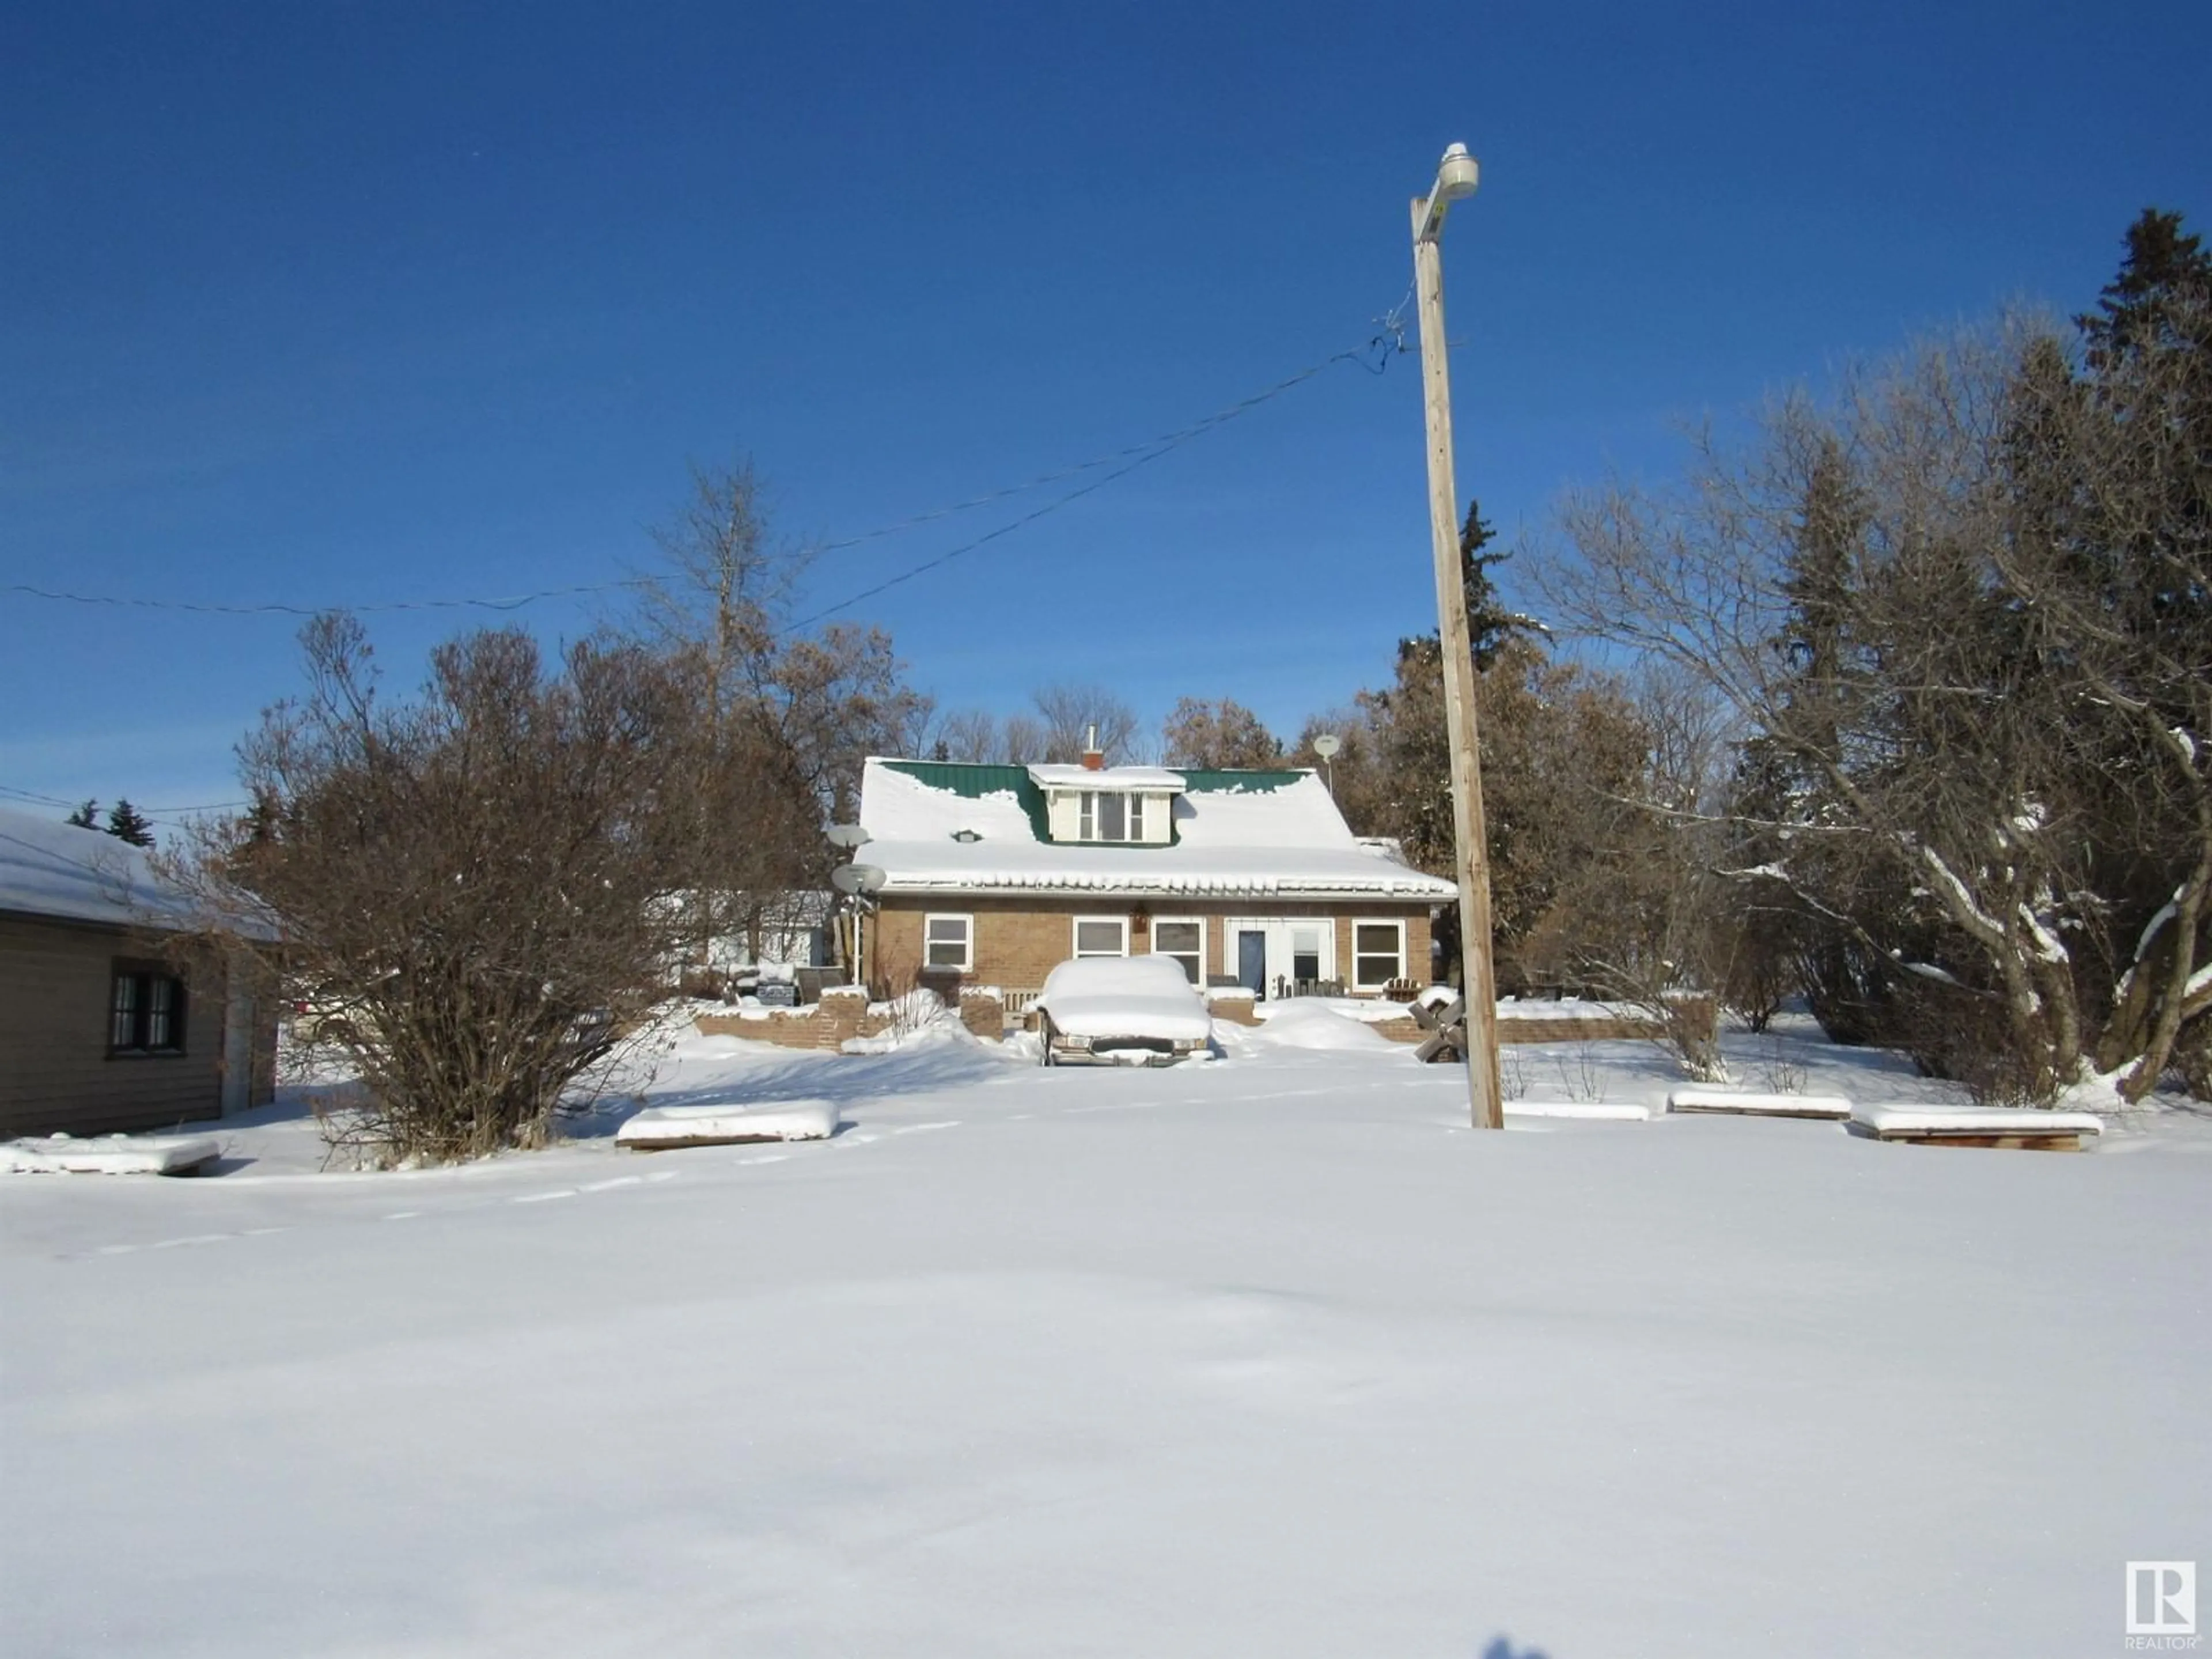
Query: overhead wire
{"type": "Point", "coordinates": [1387, 340]}
{"type": "Point", "coordinates": [1144, 455]}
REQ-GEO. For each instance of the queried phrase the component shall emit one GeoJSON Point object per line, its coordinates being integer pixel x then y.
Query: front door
{"type": "Point", "coordinates": [1275, 953]}
{"type": "Point", "coordinates": [1252, 961]}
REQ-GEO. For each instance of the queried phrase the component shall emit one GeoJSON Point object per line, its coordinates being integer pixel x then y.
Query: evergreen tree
{"type": "Point", "coordinates": [1489, 624]}
{"type": "Point", "coordinates": [127, 823]}
{"type": "Point", "coordinates": [2157, 302]}
{"type": "Point", "coordinates": [86, 817]}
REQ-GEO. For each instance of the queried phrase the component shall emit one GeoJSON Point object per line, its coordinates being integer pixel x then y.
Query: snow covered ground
{"type": "Point", "coordinates": [1271, 1357]}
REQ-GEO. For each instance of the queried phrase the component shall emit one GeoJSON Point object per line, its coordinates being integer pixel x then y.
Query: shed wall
{"type": "Point", "coordinates": [56, 1072]}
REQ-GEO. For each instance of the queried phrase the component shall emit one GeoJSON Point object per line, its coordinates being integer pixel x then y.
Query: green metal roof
{"type": "Point", "coordinates": [1203, 781]}
{"type": "Point", "coordinates": [973, 781]}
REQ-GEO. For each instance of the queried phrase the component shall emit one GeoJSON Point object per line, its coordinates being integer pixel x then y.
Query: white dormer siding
{"type": "Point", "coordinates": [1115, 805]}
{"type": "Point", "coordinates": [1134, 817]}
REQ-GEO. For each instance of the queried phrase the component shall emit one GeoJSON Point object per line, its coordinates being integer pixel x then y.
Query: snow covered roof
{"type": "Point", "coordinates": [947, 827]}
{"type": "Point", "coordinates": [53, 869]}
{"type": "Point", "coordinates": [1105, 777]}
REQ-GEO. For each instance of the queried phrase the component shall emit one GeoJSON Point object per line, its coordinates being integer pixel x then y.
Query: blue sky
{"type": "Point", "coordinates": [351, 304]}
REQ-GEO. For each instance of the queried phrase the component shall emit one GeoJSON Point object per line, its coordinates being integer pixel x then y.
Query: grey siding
{"type": "Point", "coordinates": [55, 1070]}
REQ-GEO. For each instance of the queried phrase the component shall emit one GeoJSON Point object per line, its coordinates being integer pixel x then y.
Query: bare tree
{"type": "Point", "coordinates": [784, 719]}
{"type": "Point", "coordinates": [967, 734]}
{"type": "Point", "coordinates": [1224, 734]}
{"type": "Point", "coordinates": [1933, 652]}
{"type": "Point", "coordinates": [1073, 713]}
{"type": "Point", "coordinates": [469, 888]}
{"type": "Point", "coordinates": [1022, 741]}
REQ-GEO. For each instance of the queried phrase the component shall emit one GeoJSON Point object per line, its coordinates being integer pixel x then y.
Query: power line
{"type": "Point", "coordinates": [514, 602]}
{"type": "Point", "coordinates": [33, 797]}
{"type": "Point", "coordinates": [1386, 343]}
{"type": "Point", "coordinates": [1144, 453]}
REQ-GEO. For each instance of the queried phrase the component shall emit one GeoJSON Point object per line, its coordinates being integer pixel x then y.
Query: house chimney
{"type": "Point", "coordinates": [1092, 759]}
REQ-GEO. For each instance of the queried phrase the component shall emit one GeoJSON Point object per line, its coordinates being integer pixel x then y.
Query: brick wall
{"type": "Point", "coordinates": [1017, 941]}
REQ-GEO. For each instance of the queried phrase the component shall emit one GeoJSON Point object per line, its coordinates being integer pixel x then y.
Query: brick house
{"type": "Point", "coordinates": [998, 872]}
{"type": "Point", "coordinates": [98, 1030]}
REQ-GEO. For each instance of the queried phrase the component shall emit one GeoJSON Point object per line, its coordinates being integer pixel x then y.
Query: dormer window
{"type": "Point", "coordinates": [1108, 815]}
{"type": "Point", "coordinates": [1112, 806]}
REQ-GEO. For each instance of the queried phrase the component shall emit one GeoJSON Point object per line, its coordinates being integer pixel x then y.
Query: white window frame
{"type": "Point", "coordinates": [1198, 922]}
{"type": "Point", "coordinates": [1075, 925]}
{"type": "Point", "coordinates": [1141, 810]}
{"type": "Point", "coordinates": [967, 921]}
{"type": "Point", "coordinates": [1398, 926]}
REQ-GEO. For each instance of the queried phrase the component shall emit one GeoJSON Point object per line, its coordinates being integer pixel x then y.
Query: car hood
{"type": "Point", "coordinates": [1130, 1016]}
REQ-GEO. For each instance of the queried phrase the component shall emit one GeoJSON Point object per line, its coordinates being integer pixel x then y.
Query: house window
{"type": "Point", "coordinates": [1378, 953]}
{"type": "Point", "coordinates": [145, 1011]}
{"type": "Point", "coordinates": [1305, 954]}
{"type": "Point", "coordinates": [1102, 936]}
{"type": "Point", "coordinates": [1186, 942]}
{"type": "Point", "coordinates": [949, 942]}
{"type": "Point", "coordinates": [1107, 815]}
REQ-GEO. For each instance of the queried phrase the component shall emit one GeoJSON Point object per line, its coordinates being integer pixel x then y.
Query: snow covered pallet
{"type": "Point", "coordinates": [1596, 1111]}
{"type": "Point", "coordinates": [660, 1128]}
{"type": "Point", "coordinates": [1976, 1125]}
{"type": "Point", "coordinates": [167, 1155]}
{"type": "Point", "coordinates": [1740, 1102]}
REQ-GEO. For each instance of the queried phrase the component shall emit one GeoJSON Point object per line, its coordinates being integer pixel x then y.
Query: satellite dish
{"type": "Point", "coordinates": [867, 877]}
{"type": "Point", "coordinates": [1326, 745]}
{"type": "Point", "coordinates": [847, 834]}
{"type": "Point", "coordinates": [845, 878]}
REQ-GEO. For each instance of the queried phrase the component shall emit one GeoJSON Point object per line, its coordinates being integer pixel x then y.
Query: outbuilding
{"type": "Point", "coordinates": [102, 1026]}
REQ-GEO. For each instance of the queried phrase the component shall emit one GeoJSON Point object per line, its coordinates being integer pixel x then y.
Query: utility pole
{"type": "Point", "coordinates": [1456, 178]}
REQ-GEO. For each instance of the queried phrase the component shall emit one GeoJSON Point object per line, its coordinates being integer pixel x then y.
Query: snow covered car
{"type": "Point", "coordinates": [1125, 1011]}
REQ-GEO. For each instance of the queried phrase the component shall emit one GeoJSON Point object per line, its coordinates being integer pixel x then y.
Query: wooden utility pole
{"type": "Point", "coordinates": [1478, 979]}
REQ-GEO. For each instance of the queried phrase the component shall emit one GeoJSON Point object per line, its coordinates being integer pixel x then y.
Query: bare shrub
{"type": "Point", "coordinates": [1782, 1072]}
{"type": "Point", "coordinates": [1513, 1077]}
{"type": "Point", "coordinates": [1581, 1074]}
{"type": "Point", "coordinates": [465, 888]}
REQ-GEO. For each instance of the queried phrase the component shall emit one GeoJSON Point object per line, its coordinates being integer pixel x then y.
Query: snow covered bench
{"type": "Point", "coordinates": [1742, 1103]}
{"type": "Point", "coordinates": [1976, 1125]}
{"type": "Point", "coordinates": [659, 1128]}
{"type": "Point", "coordinates": [164, 1155]}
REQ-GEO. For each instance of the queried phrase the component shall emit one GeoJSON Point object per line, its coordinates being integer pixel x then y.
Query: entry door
{"type": "Point", "coordinates": [1273, 950]}
{"type": "Point", "coordinates": [1252, 961]}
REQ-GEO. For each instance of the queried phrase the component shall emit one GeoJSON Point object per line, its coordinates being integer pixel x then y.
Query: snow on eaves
{"type": "Point", "coordinates": [912, 869]}
{"type": "Point", "coordinates": [1059, 776]}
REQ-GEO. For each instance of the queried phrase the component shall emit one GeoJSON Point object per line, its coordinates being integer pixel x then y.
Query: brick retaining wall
{"type": "Point", "coordinates": [842, 1014]}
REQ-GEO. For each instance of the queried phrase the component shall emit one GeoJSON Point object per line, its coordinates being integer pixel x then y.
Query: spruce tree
{"type": "Point", "coordinates": [86, 817]}
{"type": "Point", "coordinates": [1489, 624]}
{"type": "Point", "coordinates": [127, 823]}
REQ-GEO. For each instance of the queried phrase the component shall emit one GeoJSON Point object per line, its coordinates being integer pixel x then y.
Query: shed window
{"type": "Point", "coordinates": [145, 1011]}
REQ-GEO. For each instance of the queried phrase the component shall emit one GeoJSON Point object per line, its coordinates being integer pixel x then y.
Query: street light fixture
{"type": "Point", "coordinates": [1326, 747]}
{"type": "Point", "coordinates": [1456, 178]}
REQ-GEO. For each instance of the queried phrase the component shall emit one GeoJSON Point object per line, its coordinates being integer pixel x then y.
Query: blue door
{"type": "Point", "coordinates": [1252, 963]}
